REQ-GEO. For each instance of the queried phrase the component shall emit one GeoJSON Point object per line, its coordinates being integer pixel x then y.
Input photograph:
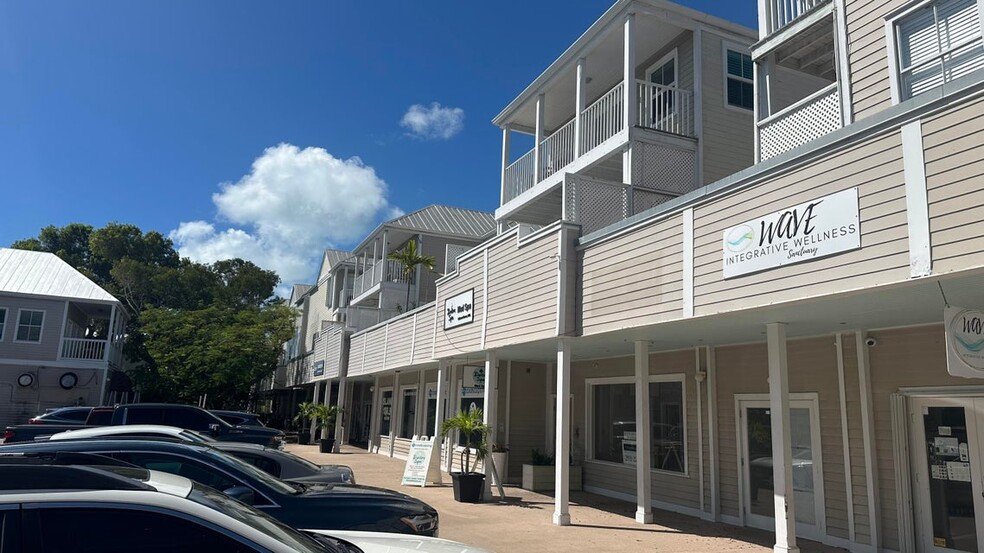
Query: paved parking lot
{"type": "Point", "coordinates": [522, 522]}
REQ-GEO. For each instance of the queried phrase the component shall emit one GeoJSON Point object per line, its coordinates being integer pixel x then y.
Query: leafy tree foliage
{"type": "Point", "coordinates": [193, 329]}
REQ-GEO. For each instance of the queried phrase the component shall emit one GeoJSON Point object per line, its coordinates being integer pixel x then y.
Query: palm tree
{"type": "Point", "coordinates": [470, 424]}
{"type": "Point", "coordinates": [410, 259]}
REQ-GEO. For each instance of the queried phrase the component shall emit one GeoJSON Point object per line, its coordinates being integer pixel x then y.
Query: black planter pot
{"type": "Point", "coordinates": [303, 438]}
{"type": "Point", "coordinates": [468, 487]}
{"type": "Point", "coordinates": [326, 444]}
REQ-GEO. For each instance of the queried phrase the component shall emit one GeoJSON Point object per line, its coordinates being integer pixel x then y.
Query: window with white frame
{"type": "Point", "coordinates": [29, 324]}
{"type": "Point", "coordinates": [3, 320]}
{"type": "Point", "coordinates": [408, 413]}
{"type": "Point", "coordinates": [431, 415]}
{"type": "Point", "coordinates": [613, 424]}
{"type": "Point", "coordinates": [935, 43]}
{"type": "Point", "coordinates": [738, 76]}
{"type": "Point", "coordinates": [386, 411]}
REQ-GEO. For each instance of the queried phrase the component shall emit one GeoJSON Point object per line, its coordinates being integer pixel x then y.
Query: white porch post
{"type": "Point", "coordinates": [326, 400]}
{"type": "Point", "coordinates": [342, 404]}
{"type": "Point", "coordinates": [453, 389]}
{"type": "Point", "coordinates": [317, 398]}
{"type": "Point", "coordinates": [506, 136]}
{"type": "Point", "coordinates": [384, 276]}
{"type": "Point", "coordinates": [644, 489]}
{"type": "Point", "coordinates": [782, 456]}
{"type": "Point", "coordinates": [490, 415]}
{"type": "Point", "coordinates": [375, 262]}
{"type": "Point", "coordinates": [629, 91]}
{"type": "Point", "coordinates": [377, 414]}
{"type": "Point", "coordinates": [420, 425]}
{"type": "Point", "coordinates": [439, 413]}
{"type": "Point", "coordinates": [579, 100]}
{"type": "Point", "coordinates": [537, 151]}
{"type": "Point", "coordinates": [394, 411]}
{"type": "Point", "coordinates": [562, 452]}
{"type": "Point", "coordinates": [109, 334]}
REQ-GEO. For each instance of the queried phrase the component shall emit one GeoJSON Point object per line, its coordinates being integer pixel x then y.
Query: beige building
{"type": "Point", "coordinates": [781, 326]}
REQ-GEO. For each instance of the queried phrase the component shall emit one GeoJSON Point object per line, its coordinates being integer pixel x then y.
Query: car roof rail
{"type": "Point", "coordinates": [46, 477]}
{"type": "Point", "coordinates": [60, 458]}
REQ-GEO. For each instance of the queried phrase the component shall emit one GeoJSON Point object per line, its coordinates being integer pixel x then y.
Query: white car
{"type": "Point", "coordinates": [133, 510]}
{"type": "Point", "coordinates": [149, 430]}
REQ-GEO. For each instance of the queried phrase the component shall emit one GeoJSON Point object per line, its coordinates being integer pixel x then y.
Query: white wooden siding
{"type": "Point", "coordinates": [868, 55]}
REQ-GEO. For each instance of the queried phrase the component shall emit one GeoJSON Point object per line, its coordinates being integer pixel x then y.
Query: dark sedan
{"type": "Point", "coordinates": [63, 415]}
{"type": "Point", "coordinates": [287, 466]}
{"type": "Point", "coordinates": [309, 506]}
{"type": "Point", "coordinates": [239, 418]}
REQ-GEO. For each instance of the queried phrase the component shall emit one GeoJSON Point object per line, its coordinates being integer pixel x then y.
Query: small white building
{"type": "Point", "coordinates": [60, 335]}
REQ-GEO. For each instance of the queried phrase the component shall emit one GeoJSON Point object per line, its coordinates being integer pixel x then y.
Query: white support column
{"type": "Point", "coordinates": [644, 457]}
{"type": "Point", "coordinates": [698, 70]}
{"type": "Point", "coordinates": [782, 455]}
{"type": "Point", "coordinates": [317, 398]}
{"type": "Point", "coordinates": [506, 136]}
{"type": "Point", "coordinates": [326, 400]}
{"type": "Point", "coordinates": [109, 334]}
{"type": "Point", "coordinates": [868, 438]}
{"type": "Point", "coordinates": [342, 404]}
{"type": "Point", "coordinates": [490, 414]}
{"type": "Point", "coordinates": [562, 451]}
{"type": "Point", "coordinates": [419, 425]}
{"type": "Point", "coordinates": [384, 263]}
{"type": "Point", "coordinates": [417, 275]}
{"type": "Point", "coordinates": [375, 261]}
{"type": "Point", "coordinates": [453, 401]}
{"type": "Point", "coordinates": [629, 91]}
{"type": "Point", "coordinates": [712, 432]}
{"type": "Point", "coordinates": [377, 415]}
{"type": "Point", "coordinates": [394, 411]}
{"type": "Point", "coordinates": [442, 396]}
{"type": "Point", "coordinates": [579, 101]}
{"type": "Point", "coordinates": [538, 138]}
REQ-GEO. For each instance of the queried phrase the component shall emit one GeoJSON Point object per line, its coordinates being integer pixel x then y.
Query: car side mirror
{"type": "Point", "coordinates": [241, 493]}
{"type": "Point", "coordinates": [214, 429]}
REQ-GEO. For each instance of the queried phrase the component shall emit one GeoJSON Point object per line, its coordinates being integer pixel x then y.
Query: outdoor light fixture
{"type": "Point", "coordinates": [68, 381]}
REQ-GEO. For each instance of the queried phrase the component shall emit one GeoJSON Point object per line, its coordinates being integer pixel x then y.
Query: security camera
{"type": "Point", "coordinates": [871, 342]}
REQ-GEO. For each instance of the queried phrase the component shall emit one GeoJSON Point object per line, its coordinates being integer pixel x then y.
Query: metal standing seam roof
{"type": "Point", "coordinates": [298, 291]}
{"type": "Point", "coordinates": [45, 274]}
{"type": "Point", "coordinates": [445, 219]}
{"type": "Point", "coordinates": [334, 257]}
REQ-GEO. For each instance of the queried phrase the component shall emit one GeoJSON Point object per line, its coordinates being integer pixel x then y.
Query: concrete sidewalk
{"type": "Point", "coordinates": [523, 521]}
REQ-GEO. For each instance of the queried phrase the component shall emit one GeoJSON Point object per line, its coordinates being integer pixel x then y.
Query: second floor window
{"type": "Point", "coordinates": [29, 325]}
{"type": "Point", "coordinates": [739, 77]}
{"type": "Point", "coordinates": [938, 42]}
{"type": "Point", "coordinates": [3, 321]}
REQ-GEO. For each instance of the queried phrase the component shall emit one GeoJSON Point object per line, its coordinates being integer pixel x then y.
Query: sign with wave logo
{"type": "Point", "coordinates": [964, 341]}
{"type": "Point", "coordinates": [808, 231]}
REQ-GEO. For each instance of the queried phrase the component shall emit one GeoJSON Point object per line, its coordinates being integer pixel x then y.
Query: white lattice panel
{"type": "Point", "coordinates": [451, 253]}
{"type": "Point", "coordinates": [595, 204]}
{"type": "Point", "coordinates": [663, 167]}
{"type": "Point", "coordinates": [644, 199]}
{"type": "Point", "coordinates": [803, 124]}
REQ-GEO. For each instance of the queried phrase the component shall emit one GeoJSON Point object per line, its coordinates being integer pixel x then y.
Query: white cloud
{"type": "Point", "coordinates": [434, 122]}
{"type": "Point", "coordinates": [292, 205]}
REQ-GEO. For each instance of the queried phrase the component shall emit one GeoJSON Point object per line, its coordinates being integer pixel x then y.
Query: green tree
{"type": "Point", "coordinates": [409, 258]}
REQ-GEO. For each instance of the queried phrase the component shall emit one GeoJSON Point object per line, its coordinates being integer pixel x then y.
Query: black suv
{"type": "Point", "coordinates": [308, 506]}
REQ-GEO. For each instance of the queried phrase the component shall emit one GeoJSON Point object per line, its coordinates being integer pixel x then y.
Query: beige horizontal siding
{"type": "Point", "coordinates": [399, 337]}
{"type": "Point", "coordinates": [356, 347]}
{"type": "Point", "coordinates": [375, 350]}
{"type": "Point", "coordinates": [523, 298]}
{"type": "Point", "coordinates": [468, 337]}
{"type": "Point", "coordinates": [647, 262]}
{"type": "Point", "coordinates": [868, 54]}
{"type": "Point", "coordinates": [424, 335]}
{"type": "Point", "coordinates": [954, 158]}
{"type": "Point", "coordinates": [874, 167]}
{"type": "Point", "coordinates": [728, 133]}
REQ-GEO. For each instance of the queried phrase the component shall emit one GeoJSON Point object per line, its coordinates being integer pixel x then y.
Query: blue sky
{"type": "Point", "coordinates": [217, 120]}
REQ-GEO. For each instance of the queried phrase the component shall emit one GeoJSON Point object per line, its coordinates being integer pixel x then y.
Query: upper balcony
{"type": "Point", "coordinates": [94, 332]}
{"type": "Point", "coordinates": [621, 106]}
{"type": "Point", "coordinates": [800, 90]}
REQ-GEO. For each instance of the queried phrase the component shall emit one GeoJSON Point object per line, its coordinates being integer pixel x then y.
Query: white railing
{"type": "Point", "coordinates": [519, 176]}
{"type": "Point", "coordinates": [810, 118]}
{"type": "Point", "coordinates": [83, 348]}
{"type": "Point", "coordinates": [780, 13]}
{"type": "Point", "coordinates": [557, 150]}
{"type": "Point", "coordinates": [666, 109]}
{"type": "Point", "coordinates": [603, 119]}
{"type": "Point", "coordinates": [373, 275]}
{"type": "Point", "coordinates": [363, 317]}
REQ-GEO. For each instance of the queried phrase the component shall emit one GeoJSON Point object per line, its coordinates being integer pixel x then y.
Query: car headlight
{"type": "Point", "coordinates": [420, 523]}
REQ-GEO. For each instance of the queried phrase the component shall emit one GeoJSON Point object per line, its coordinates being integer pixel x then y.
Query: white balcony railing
{"type": "Point", "coordinates": [557, 150]}
{"type": "Point", "coordinates": [374, 274]}
{"type": "Point", "coordinates": [666, 109]}
{"type": "Point", "coordinates": [780, 13]}
{"type": "Point", "coordinates": [83, 349]}
{"type": "Point", "coordinates": [603, 119]}
{"type": "Point", "coordinates": [363, 317]}
{"type": "Point", "coordinates": [810, 118]}
{"type": "Point", "coordinates": [519, 176]}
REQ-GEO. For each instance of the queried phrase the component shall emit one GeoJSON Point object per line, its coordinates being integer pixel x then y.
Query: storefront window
{"type": "Point", "coordinates": [408, 408]}
{"type": "Point", "coordinates": [468, 404]}
{"type": "Point", "coordinates": [614, 424]}
{"type": "Point", "coordinates": [384, 425]}
{"type": "Point", "coordinates": [431, 411]}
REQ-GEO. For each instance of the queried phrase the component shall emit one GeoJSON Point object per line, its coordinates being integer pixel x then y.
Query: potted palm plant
{"type": "Point", "coordinates": [410, 258]}
{"type": "Point", "coordinates": [305, 412]}
{"type": "Point", "coordinates": [326, 415]}
{"type": "Point", "coordinates": [469, 484]}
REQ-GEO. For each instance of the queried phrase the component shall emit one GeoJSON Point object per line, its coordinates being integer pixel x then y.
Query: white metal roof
{"type": "Point", "coordinates": [45, 274]}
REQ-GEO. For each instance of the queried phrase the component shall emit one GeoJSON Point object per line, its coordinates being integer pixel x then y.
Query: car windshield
{"type": "Point", "coordinates": [195, 437]}
{"type": "Point", "coordinates": [255, 519]}
{"type": "Point", "coordinates": [278, 485]}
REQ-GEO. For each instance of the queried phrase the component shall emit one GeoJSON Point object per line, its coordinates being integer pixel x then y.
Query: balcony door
{"type": "Point", "coordinates": [661, 102]}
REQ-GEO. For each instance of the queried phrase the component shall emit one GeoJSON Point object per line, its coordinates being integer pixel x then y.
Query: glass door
{"type": "Point", "coordinates": [663, 108]}
{"type": "Point", "coordinates": [945, 445]}
{"type": "Point", "coordinates": [757, 465]}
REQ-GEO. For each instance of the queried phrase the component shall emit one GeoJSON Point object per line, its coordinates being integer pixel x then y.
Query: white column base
{"type": "Point", "coordinates": [562, 519]}
{"type": "Point", "coordinates": [644, 516]}
{"type": "Point", "coordinates": [783, 549]}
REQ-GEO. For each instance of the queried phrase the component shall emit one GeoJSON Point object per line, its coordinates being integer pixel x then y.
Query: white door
{"type": "Point", "coordinates": [948, 480]}
{"type": "Point", "coordinates": [661, 105]}
{"type": "Point", "coordinates": [755, 430]}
